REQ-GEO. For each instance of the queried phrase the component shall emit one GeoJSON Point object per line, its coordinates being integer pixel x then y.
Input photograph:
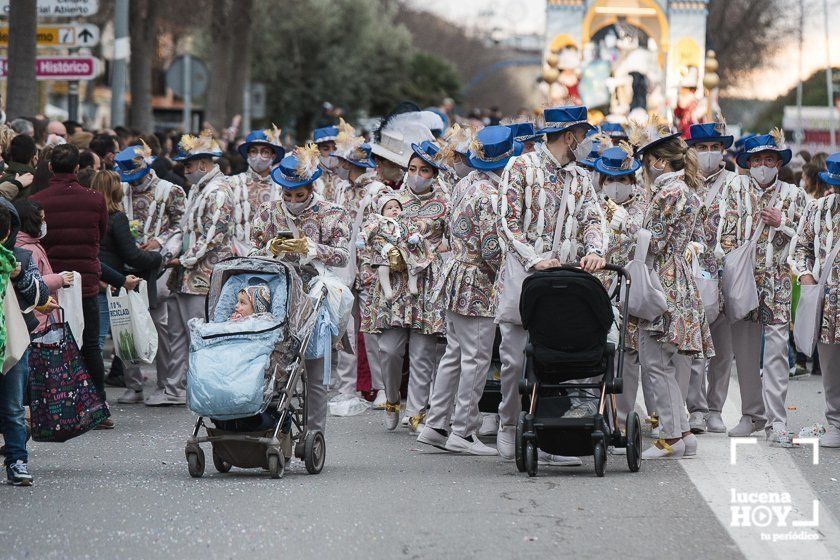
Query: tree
{"type": "Point", "coordinates": [23, 23]}
{"type": "Point", "coordinates": [430, 79]}
{"type": "Point", "coordinates": [814, 94]}
{"type": "Point", "coordinates": [241, 21]}
{"type": "Point", "coordinates": [142, 28]}
{"type": "Point", "coordinates": [746, 33]}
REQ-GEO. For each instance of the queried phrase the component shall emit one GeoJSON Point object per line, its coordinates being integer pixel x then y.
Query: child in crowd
{"type": "Point", "coordinates": [252, 301]}
{"type": "Point", "coordinates": [397, 245]}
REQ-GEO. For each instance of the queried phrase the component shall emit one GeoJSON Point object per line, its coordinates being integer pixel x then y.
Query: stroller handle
{"type": "Point", "coordinates": [620, 271]}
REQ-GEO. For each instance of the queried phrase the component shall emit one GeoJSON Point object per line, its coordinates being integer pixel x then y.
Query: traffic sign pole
{"type": "Point", "coordinates": [121, 41]}
{"type": "Point", "coordinates": [187, 92]}
{"type": "Point", "coordinates": [73, 101]}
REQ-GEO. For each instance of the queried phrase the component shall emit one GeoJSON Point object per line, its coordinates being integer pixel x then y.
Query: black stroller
{"type": "Point", "coordinates": [567, 314]}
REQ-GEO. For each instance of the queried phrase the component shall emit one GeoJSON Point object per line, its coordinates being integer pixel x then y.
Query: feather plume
{"type": "Point", "coordinates": [637, 133]}
{"type": "Point", "coordinates": [458, 137]}
{"type": "Point", "coordinates": [476, 148]}
{"type": "Point", "coordinates": [308, 159]}
{"type": "Point", "coordinates": [779, 137]}
{"type": "Point", "coordinates": [346, 142]}
{"type": "Point", "coordinates": [626, 148]}
{"type": "Point", "coordinates": [274, 134]}
{"type": "Point", "coordinates": [604, 142]}
{"type": "Point", "coordinates": [142, 153]}
{"type": "Point", "coordinates": [446, 155]}
{"type": "Point", "coordinates": [188, 143]}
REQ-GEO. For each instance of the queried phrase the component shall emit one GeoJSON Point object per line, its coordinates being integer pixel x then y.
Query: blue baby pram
{"type": "Point", "coordinates": [241, 369]}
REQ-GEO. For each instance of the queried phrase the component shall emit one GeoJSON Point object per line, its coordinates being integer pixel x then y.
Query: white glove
{"type": "Point", "coordinates": [618, 219]}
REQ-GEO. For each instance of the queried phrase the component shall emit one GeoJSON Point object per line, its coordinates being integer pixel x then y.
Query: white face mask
{"type": "Point", "coordinates": [196, 176]}
{"type": "Point", "coordinates": [330, 162]}
{"type": "Point", "coordinates": [296, 208]}
{"type": "Point", "coordinates": [581, 151]}
{"type": "Point", "coordinates": [259, 163]}
{"type": "Point", "coordinates": [342, 172]}
{"type": "Point", "coordinates": [462, 169]}
{"type": "Point", "coordinates": [417, 184]}
{"type": "Point", "coordinates": [763, 174]}
{"type": "Point", "coordinates": [617, 191]}
{"type": "Point", "coordinates": [43, 232]}
{"type": "Point", "coordinates": [709, 162]}
{"type": "Point", "coordinates": [654, 172]}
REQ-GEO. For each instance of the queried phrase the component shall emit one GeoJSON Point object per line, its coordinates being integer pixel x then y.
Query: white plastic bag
{"type": "Point", "coordinates": [339, 300]}
{"type": "Point", "coordinates": [132, 328]}
{"type": "Point", "coordinates": [70, 299]}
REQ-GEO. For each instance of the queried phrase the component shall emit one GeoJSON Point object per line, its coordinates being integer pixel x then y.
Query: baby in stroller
{"type": "Point", "coordinates": [250, 301]}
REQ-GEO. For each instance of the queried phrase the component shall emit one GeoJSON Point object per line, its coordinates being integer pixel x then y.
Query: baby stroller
{"type": "Point", "coordinates": [239, 370]}
{"type": "Point", "coordinates": [568, 315]}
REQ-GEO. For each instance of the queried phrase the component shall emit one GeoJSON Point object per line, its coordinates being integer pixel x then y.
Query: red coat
{"type": "Point", "coordinates": [76, 222]}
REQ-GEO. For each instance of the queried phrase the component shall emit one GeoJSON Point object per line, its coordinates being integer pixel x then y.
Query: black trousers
{"type": "Point", "coordinates": [91, 353]}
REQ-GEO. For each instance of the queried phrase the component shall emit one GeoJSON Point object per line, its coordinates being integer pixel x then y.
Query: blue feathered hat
{"type": "Point", "coordinates": [560, 119]}
{"type": "Point", "coordinates": [268, 137]}
{"type": "Point", "coordinates": [298, 169]}
{"type": "Point", "coordinates": [492, 148]}
{"type": "Point", "coordinates": [324, 134]}
{"type": "Point", "coordinates": [134, 162]}
{"type": "Point", "coordinates": [773, 142]}
{"type": "Point", "coordinates": [831, 175]}
{"type": "Point", "coordinates": [193, 147]}
{"type": "Point", "coordinates": [617, 161]}
{"type": "Point", "coordinates": [709, 132]}
{"type": "Point", "coordinates": [428, 152]}
{"type": "Point", "coordinates": [524, 132]}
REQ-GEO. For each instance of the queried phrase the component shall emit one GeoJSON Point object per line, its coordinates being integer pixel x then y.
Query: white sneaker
{"type": "Point", "coordinates": [130, 396]}
{"type": "Point", "coordinates": [432, 437]}
{"type": "Point", "coordinates": [392, 416]}
{"type": "Point", "coordinates": [831, 437]}
{"type": "Point", "coordinates": [746, 427]}
{"type": "Point", "coordinates": [544, 458]}
{"type": "Point", "coordinates": [690, 445]}
{"type": "Point", "coordinates": [380, 400]}
{"type": "Point", "coordinates": [404, 421]}
{"type": "Point", "coordinates": [489, 425]}
{"type": "Point", "coordinates": [697, 422]}
{"type": "Point", "coordinates": [506, 442]}
{"type": "Point", "coordinates": [470, 445]}
{"type": "Point", "coordinates": [714, 423]}
{"type": "Point", "coordinates": [165, 399]}
{"type": "Point", "coordinates": [673, 451]}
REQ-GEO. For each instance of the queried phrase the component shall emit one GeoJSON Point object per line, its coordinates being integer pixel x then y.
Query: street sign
{"type": "Point", "coordinates": [59, 67]}
{"type": "Point", "coordinates": [59, 8]}
{"type": "Point", "coordinates": [258, 99]}
{"type": "Point", "coordinates": [198, 70]}
{"type": "Point", "coordinates": [69, 35]}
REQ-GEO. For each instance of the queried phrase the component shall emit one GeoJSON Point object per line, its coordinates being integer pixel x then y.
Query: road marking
{"type": "Point", "coordinates": [760, 472]}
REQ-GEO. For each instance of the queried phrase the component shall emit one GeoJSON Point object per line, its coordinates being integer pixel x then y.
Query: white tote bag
{"type": "Point", "coordinates": [708, 288]}
{"type": "Point", "coordinates": [740, 292]}
{"type": "Point", "coordinates": [70, 300]}
{"type": "Point", "coordinates": [17, 334]}
{"type": "Point", "coordinates": [132, 328]}
{"type": "Point", "coordinates": [514, 274]}
{"type": "Point", "coordinates": [808, 321]}
{"type": "Point", "coordinates": [646, 299]}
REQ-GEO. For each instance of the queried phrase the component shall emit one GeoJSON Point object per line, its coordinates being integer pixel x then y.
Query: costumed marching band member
{"type": "Point", "coordinates": [391, 146]}
{"type": "Point", "coordinates": [549, 215]}
{"type": "Point", "coordinates": [466, 286]}
{"type": "Point", "coordinates": [356, 190]}
{"type": "Point", "coordinates": [457, 146]}
{"type": "Point", "coordinates": [524, 133]}
{"type": "Point", "coordinates": [207, 238]}
{"type": "Point", "coordinates": [324, 138]}
{"type": "Point", "coordinates": [261, 149]}
{"type": "Point", "coordinates": [321, 233]}
{"type": "Point", "coordinates": [158, 207]}
{"type": "Point", "coordinates": [669, 343]}
{"type": "Point", "coordinates": [776, 216]}
{"type": "Point", "coordinates": [625, 205]}
{"type": "Point", "coordinates": [817, 239]}
{"type": "Point", "coordinates": [728, 226]}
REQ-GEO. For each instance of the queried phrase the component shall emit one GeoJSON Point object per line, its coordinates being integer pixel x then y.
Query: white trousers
{"type": "Point", "coordinates": [626, 401]}
{"type": "Point", "coordinates": [180, 309]}
{"type": "Point", "coordinates": [762, 396]}
{"type": "Point", "coordinates": [830, 364]}
{"type": "Point", "coordinates": [707, 393]}
{"type": "Point", "coordinates": [316, 395]}
{"type": "Point", "coordinates": [160, 317]}
{"type": "Point", "coordinates": [668, 374]}
{"type": "Point", "coordinates": [462, 373]}
{"type": "Point", "coordinates": [512, 356]}
{"type": "Point", "coordinates": [421, 360]}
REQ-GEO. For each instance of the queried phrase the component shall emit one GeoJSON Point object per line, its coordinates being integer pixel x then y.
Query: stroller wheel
{"type": "Point", "coordinates": [195, 463]}
{"type": "Point", "coordinates": [531, 458]}
{"type": "Point", "coordinates": [221, 465]}
{"type": "Point", "coordinates": [519, 444]}
{"type": "Point", "coordinates": [634, 442]}
{"type": "Point", "coordinates": [600, 458]}
{"type": "Point", "coordinates": [276, 465]}
{"type": "Point", "coordinates": [314, 452]}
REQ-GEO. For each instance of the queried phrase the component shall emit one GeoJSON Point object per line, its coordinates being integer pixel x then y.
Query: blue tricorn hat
{"type": "Point", "coordinates": [134, 163]}
{"type": "Point", "coordinates": [613, 130]}
{"type": "Point", "coordinates": [739, 143]}
{"type": "Point", "coordinates": [709, 132]}
{"type": "Point", "coordinates": [831, 175]}
{"type": "Point", "coordinates": [427, 151]}
{"type": "Point", "coordinates": [359, 156]}
{"type": "Point", "coordinates": [615, 162]}
{"type": "Point", "coordinates": [270, 138]}
{"type": "Point", "coordinates": [524, 132]}
{"type": "Point", "coordinates": [193, 147]}
{"type": "Point", "coordinates": [492, 148]}
{"type": "Point", "coordinates": [298, 169]}
{"type": "Point", "coordinates": [595, 152]}
{"type": "Point", "coordinates": [325, 134]}
{"type": "Point", "coordinates": [773, 142]}
{"type": "Point", "coordinates": [560, 119]}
